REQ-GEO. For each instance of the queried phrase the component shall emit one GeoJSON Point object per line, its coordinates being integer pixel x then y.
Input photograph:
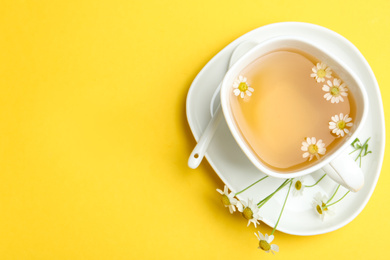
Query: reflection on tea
{"type": "Point", "coordinates": [291, 109]}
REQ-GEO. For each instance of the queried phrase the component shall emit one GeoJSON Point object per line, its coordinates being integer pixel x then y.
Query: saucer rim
{"type": "Point", "coordinates": [304, 26]}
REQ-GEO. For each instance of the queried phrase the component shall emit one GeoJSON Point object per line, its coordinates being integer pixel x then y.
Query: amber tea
{"type": "Point", "coordinates": [292, 109]}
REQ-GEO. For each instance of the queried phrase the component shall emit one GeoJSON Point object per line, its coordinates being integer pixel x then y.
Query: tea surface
{"type": "Point", "coordinates": [278, 104]}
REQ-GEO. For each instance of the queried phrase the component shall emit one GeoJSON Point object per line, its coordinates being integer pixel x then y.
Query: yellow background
{"type": "Point", "coordinates": [94, 139]}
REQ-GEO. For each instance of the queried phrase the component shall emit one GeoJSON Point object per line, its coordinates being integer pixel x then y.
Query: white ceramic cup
{"type": "Point", "coordinates": [337, 164]}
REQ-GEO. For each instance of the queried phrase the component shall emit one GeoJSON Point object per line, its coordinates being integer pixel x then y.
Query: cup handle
{"type": "Point", "coordinates": [345, 171]}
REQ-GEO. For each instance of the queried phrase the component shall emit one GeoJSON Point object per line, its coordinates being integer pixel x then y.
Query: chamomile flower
{"type": "Point", "coordinates": [227, 199]}
{"type": "Point", "coordinates": [320, 72]}
{"type": "Point", "coordinates": [265, 243]}
{"type": "Point", "coordinates": [249, 211]}
{"type": "Point", "coordinates": [320, 206]}
{"type": "Point", "coordinates": [339, 123]}
{"type": "Point", "coordinates": [311, 147]}
{"type": "Point", "coordinates": [298, 186]}
{"type": "Point", "coordinates": [335, 91]}
{"type": "Point", "coordinates": [241, 87]}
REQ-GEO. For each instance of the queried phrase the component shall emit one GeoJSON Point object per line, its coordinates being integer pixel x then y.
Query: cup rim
{"type": "Point", "coordinates": [238, 65]}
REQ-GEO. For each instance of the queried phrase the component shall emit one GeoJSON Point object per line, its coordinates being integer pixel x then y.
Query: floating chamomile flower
{"type": "Point", "coordinates": [265, 243]}
{"type": "Point", "coordinates": [339, 123]}
{"type": "Point", "coordinates": [249, 211]}
{"type": "Point", "coordinates": [227, 199]}
{"type": "Point", "coordinates": [320, 206]}
{"type": "Point", "coordinates": [312, 147]}
{"type": "Point", "coordinates": [321, 71]}
{"type": "Point", "coordinates": [335, 91]}
{"type": "Point", "coordinates": [241, 87]}
{"type": "Point", "coordinates": [298, 186]}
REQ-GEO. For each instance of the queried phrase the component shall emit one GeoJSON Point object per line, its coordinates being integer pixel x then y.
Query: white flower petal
{"type": "Point", "coordinates": [226, 190]}
{"type": "Point", "coordinates": [336, 82]}
{"type": "Point", "coordinates": [275, 248]}
{"type": "Point", "coordinates": [239, 206]}
{"type": "Point", "coordinates": [249, 222]}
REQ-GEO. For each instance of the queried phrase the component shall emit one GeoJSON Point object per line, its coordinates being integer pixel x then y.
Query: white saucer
{"type": "Point", "coordinates": [237, 172]}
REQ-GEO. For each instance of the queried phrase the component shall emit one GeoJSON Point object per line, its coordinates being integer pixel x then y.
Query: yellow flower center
{"type": "Point", "coordinates": [324, 206]}
{"type": "Point", "coordinates": [341, 124]}
{"type": "Point", "coordinates": [247, 213]}
{"type": "Point", "coordinates": [225, 200]}
{"type": "Point", "coordinates": [319, 209]}
{"type": "Point", "coordinates": [313, 149]}
{"type": "Point", "coordinates": [264, 245]}
{"type": "Point", "coordinates": [298, 185]}
{"type": "Point", "coordinates": [334, 91]}
{"type": "Point", "coordinates": [243, 87]}
{"type": "Point", "coordinates": [321, 73]}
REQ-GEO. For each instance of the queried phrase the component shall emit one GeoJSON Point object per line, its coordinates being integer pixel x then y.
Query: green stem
{"type": "Point", "coordinates": [309, 186]}
{"type": "Point", "coordinates": [333, 194]}
{"type": "Point", "coordinates": [359, 155]}
{"type": "Point", "coordinates": [263, 201]}
{"type": "Point", "coordinates": [363, 147]}
{"type": "Point", "coordinates": [284, 204]}
{"type": "Point", "coordinates": [355, 150]}
{"type": "Point", "coordinates": [338, 200]}
{"type": "Point", "coordinates": [250, 185]}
